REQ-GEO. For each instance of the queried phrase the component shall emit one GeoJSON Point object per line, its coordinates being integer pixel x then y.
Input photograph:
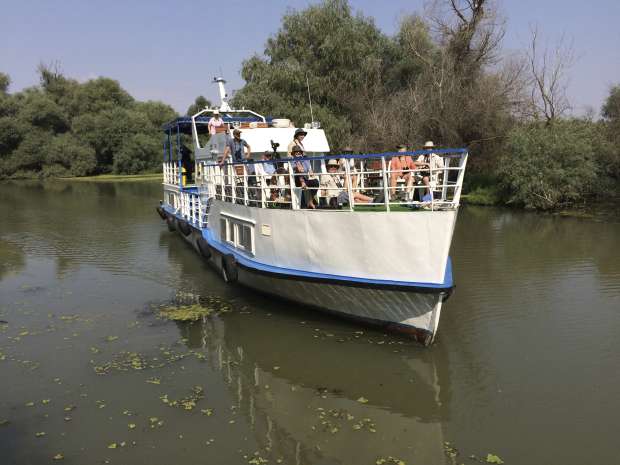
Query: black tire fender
{"type": "Point", "coordinates": [184, 227]}
{"type": "Point", "coordinates": [170, 223]}
{"type": "Point", "coordinates": [161, 213]}
{"type": "Point", "coordinates": [229, 268]}
{"type": "Point", "coordinates": [204, 248]}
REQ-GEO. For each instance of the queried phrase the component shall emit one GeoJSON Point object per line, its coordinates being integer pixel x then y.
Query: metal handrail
{"type": "Point", "coordinates": [227, 182]}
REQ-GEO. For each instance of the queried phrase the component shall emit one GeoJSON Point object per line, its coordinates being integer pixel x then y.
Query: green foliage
{"type": "Point", "coordinates": [11, 134]}
{"type": "Point", "coordinates": [5, 82]}
{"type": "Point", "coordinates": [341, 54]}
{"type": "Point", "coordinates": [552, 166]}
{"type": "Point", "coordinates": [40, 111]}
{"type": "Point", "coordinates": [136, 154]}
{"type": "Point", "coordinates": [67, 152]}
{"type": "Point", "coordinates": [611, 107]}
{"type": "Point", "coordinates": [65, 128]}
{"type": "Point", "coordinates": [200, 103]}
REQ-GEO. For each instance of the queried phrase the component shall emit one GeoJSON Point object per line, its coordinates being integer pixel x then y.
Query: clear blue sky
{"type": "Point", "coordinates": [170, 50]}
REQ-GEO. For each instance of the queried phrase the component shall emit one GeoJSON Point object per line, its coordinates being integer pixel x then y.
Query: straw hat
{"type": "Point", "coordinates": [333, 163]}
{"type": "Point", "coordinates": [216, 112]}
{"type": "Point", "coordinates": [429, 144]}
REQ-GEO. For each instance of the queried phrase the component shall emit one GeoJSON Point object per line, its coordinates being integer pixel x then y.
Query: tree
{"type": "Point", "coordinates": [138, 153]}
{"type": "Point", "coordinates": [199, 104]}
{"type": "Point", "coordinates": [552, 166]}
{"type": "Point", "coordinates": [611, 107]}
{"type": "Point", "coordinates": [548, 70]}
{"type": "Point", "coordinates": [5, 82]}
{"type": "Point", "coordinates": [39, 110]}
{"type": "Point", "coordinates": [66, 155]}
{"type": "Point", "coordinates": [338, 54]}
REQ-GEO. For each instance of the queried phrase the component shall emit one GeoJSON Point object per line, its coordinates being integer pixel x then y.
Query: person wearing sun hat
{"type": "Point", "coordinates": [215, 122]}
{"type": "Point", "coordinates": [333, 187]}
{"type": "Point", "coordinates": [298, 140]}
{"type": "Point", "coordinates": [235, 147]}
{"type": "Point", "coordinates": [432, 164]}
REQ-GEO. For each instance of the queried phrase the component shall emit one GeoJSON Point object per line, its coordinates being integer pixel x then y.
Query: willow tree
{"type": "Point", "coordinates": [340, 56]}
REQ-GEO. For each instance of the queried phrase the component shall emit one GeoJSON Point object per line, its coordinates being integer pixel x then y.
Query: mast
{"type": "Point", "coordinates": [224, 106]}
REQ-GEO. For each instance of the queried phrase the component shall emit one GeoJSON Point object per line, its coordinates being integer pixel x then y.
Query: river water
{"type": "Point", "coordinates": [526, 365]}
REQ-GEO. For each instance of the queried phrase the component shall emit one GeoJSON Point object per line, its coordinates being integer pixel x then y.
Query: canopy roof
{"type": "Point", "coordinates": [184, 123]}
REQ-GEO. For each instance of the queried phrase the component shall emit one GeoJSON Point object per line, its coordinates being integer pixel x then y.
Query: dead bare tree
{"type": "Point", "coordinates": [548, 68]}
{"type": "Point", "coordinates": [470, 30]}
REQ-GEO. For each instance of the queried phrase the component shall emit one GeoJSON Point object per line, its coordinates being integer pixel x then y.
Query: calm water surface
{"type": "Point", "coordinates": [526, 365]}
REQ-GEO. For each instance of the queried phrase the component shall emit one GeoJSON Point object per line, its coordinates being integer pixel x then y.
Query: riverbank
{"type": "Point", "coordinates": [118, 178]}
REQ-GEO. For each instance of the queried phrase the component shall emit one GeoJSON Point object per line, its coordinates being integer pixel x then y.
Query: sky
{"type": "Point", "coordinates": [170, 51]}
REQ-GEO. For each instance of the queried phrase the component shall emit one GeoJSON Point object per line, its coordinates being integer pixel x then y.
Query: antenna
{"type": "Point", "coordinates": [309, 98]}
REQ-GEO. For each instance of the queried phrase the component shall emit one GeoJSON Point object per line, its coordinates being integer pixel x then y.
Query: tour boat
{"type": "Point", "coordinates": [384, 262]}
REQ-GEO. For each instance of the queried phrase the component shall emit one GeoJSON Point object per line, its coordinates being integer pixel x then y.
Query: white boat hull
{"type": "Point", "coordinates": [411, 310]}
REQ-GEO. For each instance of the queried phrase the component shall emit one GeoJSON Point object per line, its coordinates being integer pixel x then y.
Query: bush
{"type": "Point", "coordinates": [138, 154]}
{"type": "Point", "coordinates": [551, 166]}
{"type": "Point", "coordinates": [68, 152]}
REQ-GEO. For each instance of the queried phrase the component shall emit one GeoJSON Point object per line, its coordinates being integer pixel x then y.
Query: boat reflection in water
{"type": "Point", "coordinates": [326, 396]}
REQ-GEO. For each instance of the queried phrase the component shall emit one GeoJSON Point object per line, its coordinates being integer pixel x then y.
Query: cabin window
{"type": "Point", "coordinates": [224, 229]}
{"type": "Point", "coordinates": [238, 233]}
{"type": "Point", "coordinates": [245, 237]}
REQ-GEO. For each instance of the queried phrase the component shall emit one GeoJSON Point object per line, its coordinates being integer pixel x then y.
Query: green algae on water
{"type": "Point", "coordinates": [184, 313]}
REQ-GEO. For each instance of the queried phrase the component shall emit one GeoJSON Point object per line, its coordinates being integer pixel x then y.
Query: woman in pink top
{"type": "Point", "coordinates": [215, 122]}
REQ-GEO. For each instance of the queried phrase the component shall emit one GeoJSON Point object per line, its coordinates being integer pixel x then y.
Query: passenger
{"type": "Point", "coordinates": [334, 187]}
{"type": "Point", "coordinates": [304, 178]}
{"type": "Point", "coordinates": [268, 168]}
{"type": "Point", "coordinates": [298, 140]}
{"type": "Point", "coordinates": [352, 170]}
{"type": "Point", "coordinates": [215, 122]}
{"type": "Point", "coordinates": [430, 162]}
{"type": "Point", "coordinates": [235, 147]}
{"type": "Point", "coordinates": [400, 168]}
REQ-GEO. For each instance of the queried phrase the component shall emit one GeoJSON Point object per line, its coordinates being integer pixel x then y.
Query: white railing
{"type": "Point", "coordinates": [171, 172]}
{"type": "Point", "coordinates": [370, 183]}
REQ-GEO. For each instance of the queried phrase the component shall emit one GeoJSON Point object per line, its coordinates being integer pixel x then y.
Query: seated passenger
{"type": "Point", "coordinates": [400, 168]}
{"type": "Point", "coordinates": [304, 178]}
{"type": "Point", "coordinates": [334, 187]}
{"type": "Point", "coordinates": [431, 162]}
{"type": "Point", "coordinates": [351, 161]}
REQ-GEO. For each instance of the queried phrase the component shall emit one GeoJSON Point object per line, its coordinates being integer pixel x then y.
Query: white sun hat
{"type": "Point", "coordinates": [429, 144]}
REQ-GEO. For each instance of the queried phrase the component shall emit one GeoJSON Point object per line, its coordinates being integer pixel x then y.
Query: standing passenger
{"type": "Point", "coordinates": [215, 122]}
{"type": "Point", "coordinates": [298, 140]}
{"type": "Point", "coordinates": [235, 147]}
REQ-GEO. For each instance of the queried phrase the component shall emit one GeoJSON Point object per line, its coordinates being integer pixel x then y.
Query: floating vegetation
{"type": "Point", "coordinates": [188, 402]}
{"type": "Point", "coordinates": [128, 361]}
{"type": "Point", "coordinates": [450, 451]}
{"type": "Point", "coordinates": [492, 458]}
{"type": "Point", "coordinates": [155, 422]}
{"type": "Point", "coordinates": [365, 424]}
{"type": "Point", "coordinates": [185, 313]}
{"type": "Point", "coordinates": [389, 460]}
